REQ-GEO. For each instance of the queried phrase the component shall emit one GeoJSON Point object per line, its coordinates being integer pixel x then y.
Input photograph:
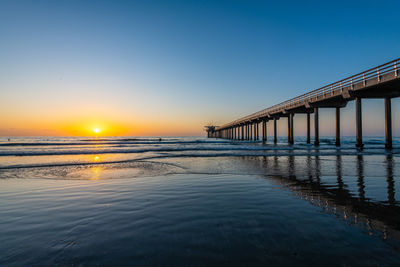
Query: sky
{"type": "Point", "coordinates": [150, 68]}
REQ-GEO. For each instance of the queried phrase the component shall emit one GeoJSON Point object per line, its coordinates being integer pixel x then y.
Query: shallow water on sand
{"type": "Point", "coordinates": [193, 201]}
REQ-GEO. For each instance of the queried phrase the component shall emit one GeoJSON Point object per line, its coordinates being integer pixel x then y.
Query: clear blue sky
{"type": "Point", "coordinates": [170, 67]}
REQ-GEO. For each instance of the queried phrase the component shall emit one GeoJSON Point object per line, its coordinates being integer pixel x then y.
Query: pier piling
{"type": "Point", "coordinates": [291, 141]}
{"type": "Point", "coordinates": [308, 128]}
{"type": "Point", "coordinates": [264, 131]}
{"type": "Point", "coordinates": [359, 142]}
{"type": "Point", "coordinates": [337, 126]}
{"type": "Point", "coordinates": [316, 127]}
{"type": "Point", "coordinates": [256, 131]}
{"type": "Point", "coordinates": [388, 123]}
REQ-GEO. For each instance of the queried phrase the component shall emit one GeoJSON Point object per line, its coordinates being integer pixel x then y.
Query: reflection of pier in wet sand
{"type": "Point", "coordinates": [377, 216]}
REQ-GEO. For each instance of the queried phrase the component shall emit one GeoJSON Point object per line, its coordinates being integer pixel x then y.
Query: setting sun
{"type": "Point", "coordinates": [96, 130]}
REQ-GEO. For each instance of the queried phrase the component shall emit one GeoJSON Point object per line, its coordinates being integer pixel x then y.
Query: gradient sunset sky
{"type": "Point", "coordinates": [170, 67]}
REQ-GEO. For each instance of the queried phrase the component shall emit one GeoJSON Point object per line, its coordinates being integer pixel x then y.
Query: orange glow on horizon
{"type": "Point", "coordinates": [102, 125]}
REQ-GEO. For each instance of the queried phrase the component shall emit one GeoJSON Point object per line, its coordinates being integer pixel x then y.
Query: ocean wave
{"type": "Point", "coordinates": [109, 142]}
{"type": "Point", "coordinates": [205, 155]}
{"type": "Point", "coordinates": [171, 149]}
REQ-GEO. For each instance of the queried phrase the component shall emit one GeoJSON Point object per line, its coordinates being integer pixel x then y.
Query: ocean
{"type": "Point", "coordinates": [193, 201]}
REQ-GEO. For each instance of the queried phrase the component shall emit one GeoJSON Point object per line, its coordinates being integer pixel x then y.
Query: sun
{"type": "Point", "coordinates": [96, 130]}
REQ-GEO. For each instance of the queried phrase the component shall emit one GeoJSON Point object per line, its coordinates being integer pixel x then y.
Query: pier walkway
{"type": "Point", "coordinates": [379, 82]}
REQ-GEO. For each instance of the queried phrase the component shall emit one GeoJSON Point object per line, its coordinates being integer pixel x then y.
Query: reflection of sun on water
{"type": "Point", "coordinates": [96, 172]}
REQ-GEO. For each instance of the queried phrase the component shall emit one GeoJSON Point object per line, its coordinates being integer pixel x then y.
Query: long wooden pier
{"type": "Point", "coordinates": [381, 82]}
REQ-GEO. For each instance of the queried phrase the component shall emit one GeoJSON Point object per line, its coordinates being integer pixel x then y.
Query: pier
{"type": "Point", "coordinates": [381, 82]}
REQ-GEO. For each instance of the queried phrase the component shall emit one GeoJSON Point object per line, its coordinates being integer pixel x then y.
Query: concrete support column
{"type": "Point", "coordinates": [388, 122]}
{"type": "Point", "coordinates": [255, 131]}
{"type": "Point", "coordinates": [253, 134]}
{"type": "Point", "coordinates": [288, 129]}
{"type": "Point", "coordinates": [337, 126]}
{"type": "Point", "coordinates": [242, 136]}
{"type": "Point", "coordinates": [249, 129]}
{"type": "Point", "coordinates": [359, 142]}
{"type": "Point", "coordinates": [316, 127]}
{"type": "Point", "coordinates": [308, 129]}
{"type": "Point", "coordinates": [247, 132]}
{"type": "Point", "coordinates": [258, 131]}
{"type": "Point", "coordinates": [291, 141]}
{"type": "Point", "coordinates": [264, 131]}
{"type": "Point", "coordinates": [275, 135]}
{"type": "Point", "coordinates": [256, 137]}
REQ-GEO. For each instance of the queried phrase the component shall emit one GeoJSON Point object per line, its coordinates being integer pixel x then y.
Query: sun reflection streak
{"type": "Point", "coordinates": [96, 172]}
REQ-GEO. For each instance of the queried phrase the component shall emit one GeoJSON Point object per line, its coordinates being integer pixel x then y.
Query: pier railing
{"type": "Point", "coordinates": [325, 91]}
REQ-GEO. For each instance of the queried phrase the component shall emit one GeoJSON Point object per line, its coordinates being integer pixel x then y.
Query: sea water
{"type": "Point", "coordinates": [195, 201]}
